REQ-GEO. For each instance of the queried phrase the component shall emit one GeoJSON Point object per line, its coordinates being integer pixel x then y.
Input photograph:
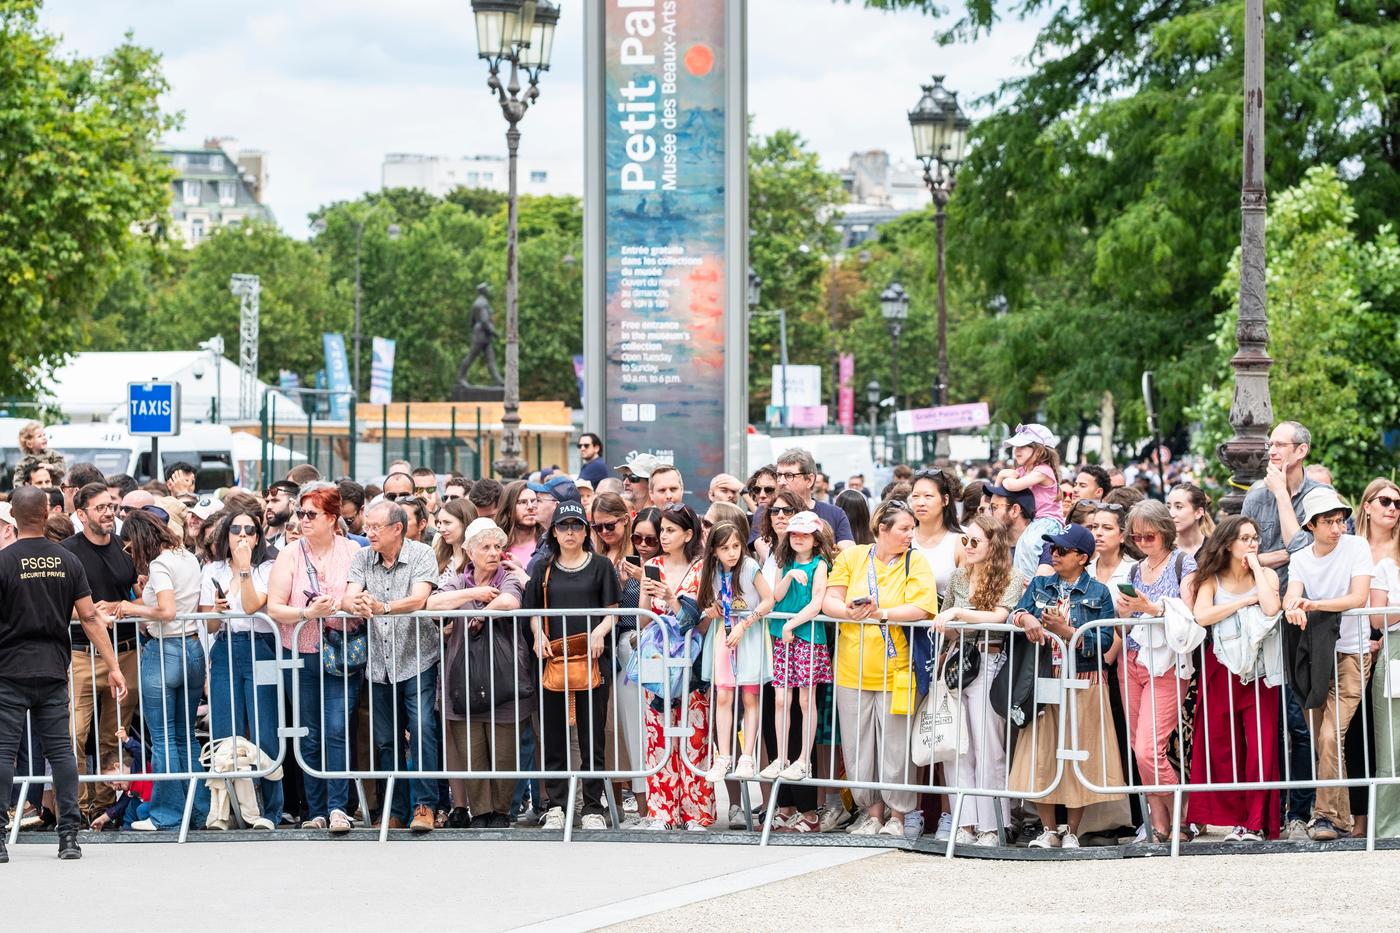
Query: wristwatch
{"type": "Point", "coordinates": [245, 573]}
{"type": "Point", "coordinates": [884, 615]}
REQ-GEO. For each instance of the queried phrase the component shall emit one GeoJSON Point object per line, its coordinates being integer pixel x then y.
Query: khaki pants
{"type": "Point", "coordinates": [491, 748]}
{"type": "Point", "coordinates": [875, 747]}
{"type": "Point", "coordinates": [1329, 726]}
{"type": "Point", "coordinates": [92, 693]}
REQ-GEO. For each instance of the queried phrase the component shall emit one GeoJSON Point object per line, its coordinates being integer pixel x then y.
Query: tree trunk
{"type": "Point", "coordinates": [1106, 428]}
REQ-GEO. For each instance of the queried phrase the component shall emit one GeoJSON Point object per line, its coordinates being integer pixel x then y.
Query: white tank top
{"type": "Point", "coordinates": [942, 560]}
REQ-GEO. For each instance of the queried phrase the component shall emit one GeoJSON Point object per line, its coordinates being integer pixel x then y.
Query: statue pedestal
{"type": "Point", "coordinates": [465, 392]}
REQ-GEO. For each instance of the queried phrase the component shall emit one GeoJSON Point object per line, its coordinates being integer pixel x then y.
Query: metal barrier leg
{"type": "Point", "coordinates": [569, 809]}
{"type": "Point", "coordinates": [364, 799]}
{"type": "Point", "coordinates": [1176, 821]}
{"type": "Point", "coordinates": [388, 806]}
{"type": "Point", "coordinates": [957, 817]}
{"type": "Point", "coordinates": [1001, 825]}
{"type": "Point", "coordinates": [610, 798]}
{"type": "Point", "coordinates": [189, 810]}
{"type": "Point", "coordinates": [768, 813]}
{"type": "Point", "coordinates": [1371, 817]}
{"type": "Point", "coordinates": [19, 810]}
{"type": "Point", "coordinates": [746, 804]}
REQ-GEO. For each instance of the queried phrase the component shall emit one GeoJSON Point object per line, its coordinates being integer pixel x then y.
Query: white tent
{"type": "Point", "coordinates": [248, 448]}
{"type": "Point", "coordinates": [92, 386]}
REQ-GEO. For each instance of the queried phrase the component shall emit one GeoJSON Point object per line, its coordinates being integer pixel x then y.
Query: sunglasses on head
{"type": "Point", "coordinates": [606, 528]}
{"type": "Point", "coordinates": [646, 541]}
{"type": "Point", "coordinates": [1102, 506]}
{"type": "Point", "coordinates": [763, 490]}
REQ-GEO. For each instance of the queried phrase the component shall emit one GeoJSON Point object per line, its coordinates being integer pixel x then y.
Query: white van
{"type": "Point", "coordinates": [107, 445]}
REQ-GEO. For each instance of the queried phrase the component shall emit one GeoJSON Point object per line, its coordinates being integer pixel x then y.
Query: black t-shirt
{"type": "Point", "coordinates": [39, 583]}
{"type": "Point", "coordinates": [594, 586]}
{"type": "Point", "coordinates": [111, 574]}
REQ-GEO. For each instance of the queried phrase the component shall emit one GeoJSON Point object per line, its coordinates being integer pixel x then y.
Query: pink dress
{"type": "Point", "coordinates": [333, 574]}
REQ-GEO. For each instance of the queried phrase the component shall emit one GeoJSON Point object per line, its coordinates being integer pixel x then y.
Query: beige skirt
{"type": "Point", "coordinates": [1034, 762]}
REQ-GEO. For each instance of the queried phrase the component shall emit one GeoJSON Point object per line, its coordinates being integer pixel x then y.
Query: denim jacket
{"type": "Point", "coordinates": [1089, 601]}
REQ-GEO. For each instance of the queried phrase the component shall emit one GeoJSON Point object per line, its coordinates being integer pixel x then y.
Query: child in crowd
{"type": "Point", "coordinates": [133, 797]}
{"type": "Point", "coordinates": [734, 599]}
{"type": "Point", "coordinates": [800, 657]}
{"type": "Point", "coordinates": [1037, 468]}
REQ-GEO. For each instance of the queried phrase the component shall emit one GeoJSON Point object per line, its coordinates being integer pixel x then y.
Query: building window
{"type": "Point", "coordinates": [228, 193]}
{"type": "Point", "coordinates": [539, 178]}
{"type": "Point", "coordinates": [196, 229]}
{"type": "Point", "coordinates": [216, 162]}
{"type": "Point", "coordinates": [192, 191]}
{"type": "Point", "coordinates": [473, 178]}
{"type": "Point", "coordinates": [180, 162]}
{"type": "Point", "coordinates": [488, 177]}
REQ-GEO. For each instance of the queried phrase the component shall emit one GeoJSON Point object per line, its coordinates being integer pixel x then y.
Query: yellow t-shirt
{"type": "Point", "coordinates": [860, 648]}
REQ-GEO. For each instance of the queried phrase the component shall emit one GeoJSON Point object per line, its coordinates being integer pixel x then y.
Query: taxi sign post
{"type": "Point", "coordinates": [153, 410]}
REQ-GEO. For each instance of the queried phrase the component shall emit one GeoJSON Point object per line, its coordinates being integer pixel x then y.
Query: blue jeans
{"type": "Point", "coordinates": [526, 786]}
{"type": "Point", "coordinates": [407, 704]}
{"type": "Point", "coordinates": [326, 705]}
{"type": "Point", "coordinates": [1298, 759]}
{"type": "Point", "coordinates": [239, 707]}
{"type": "Point", "coordinates": [172, 681]}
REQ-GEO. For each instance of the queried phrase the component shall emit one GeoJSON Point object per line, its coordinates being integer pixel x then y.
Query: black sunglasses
{"type": "Point", "coordinates": [781, 510]}
{"type": "Point", "coordinates": [606, 528]}
{"type": "Point", "coordinates": [1060, 551]}
{"type": "Point", "coordinates": [647, 540]}
{"type": "Point", "coordinates": [762, 490]}
{"type": "Point", "coordinates": [247, 531]}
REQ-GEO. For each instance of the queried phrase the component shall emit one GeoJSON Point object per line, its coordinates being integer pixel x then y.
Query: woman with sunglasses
{"type": "Point", "coordinates": [519, 519]}
{"type": "Point", "coordinates": [1153, 686]}
{"type": "Point", "coordinates": [235, 581]}
{"type": "Point", "coordinates": [172, 660]}
{"type": "Point", "coordinates": [1190, 508]}
{"type": "Point", "coordinates": [677, 794]}
{"type": "Point", "coordinates": [307, 584]}
{"type": "Point", "coordinates": [772, 524]}
{"type": "Point", "coordinates": [758, 492]}
{"type": "Point", "coordinates": [1378, 524]}
{"type": "Point", "coordinates": [983, 591]}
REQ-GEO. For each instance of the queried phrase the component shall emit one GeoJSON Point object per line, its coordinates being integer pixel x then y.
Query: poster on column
{"type": "Point", "coordinates": [665, 163]}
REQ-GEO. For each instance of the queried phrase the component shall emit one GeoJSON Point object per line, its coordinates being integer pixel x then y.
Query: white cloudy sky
{"type": "Point", "coordinates": [327, 87]}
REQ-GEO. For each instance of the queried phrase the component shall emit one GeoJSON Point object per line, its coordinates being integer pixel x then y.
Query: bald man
{"type": "Point", "coordinates": [42, 584]}
{"type": "Point", "coordinates": [725, 488]}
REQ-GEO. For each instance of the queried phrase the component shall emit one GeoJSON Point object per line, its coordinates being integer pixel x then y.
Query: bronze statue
{"type": "Point", "coordinates": [483, 338]}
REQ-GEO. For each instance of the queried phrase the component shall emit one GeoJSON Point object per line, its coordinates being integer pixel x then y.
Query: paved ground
{"type": "Point", "coordinates": [497, 885]}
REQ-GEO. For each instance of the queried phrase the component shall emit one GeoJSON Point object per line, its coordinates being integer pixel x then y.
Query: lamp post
{"type": "Point", "coordinates": [894, 305]}
{"type": "Point", "coordinates": [940, 138]}
{"type": "Point", "coordinates": [215, 348]}
{"type": "Point", "coordinates": [1252, 411]}
{"type": "Point", "coordinates": [872, 400]}
{"type": "Point", "coordinates": [521, 33]}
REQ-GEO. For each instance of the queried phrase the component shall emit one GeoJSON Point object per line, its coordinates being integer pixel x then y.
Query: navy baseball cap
{"type": "Point", "coordinates": [1023, 498]}
{"type": "Point", "coordinates": [569, 512]}
{"type": "Point", "coordinates": [560, 487]}
{"type": "Point", "coordinates": [1074, 537]}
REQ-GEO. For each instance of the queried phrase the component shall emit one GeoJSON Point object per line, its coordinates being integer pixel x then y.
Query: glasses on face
{"type": "Point", "coordinates": [787, 476]}
{"type": "Point", "coordinates": [1273, 444]}
{"type": "Point", "coordinates": [1060, 551]}
{"type": "Point", "coordinates": [1144, 538]}
{"type": "Point", "coordinates": [528, 503]}
{"type": "Point", "coordinates": [762, 490]}
{"type": "Point", "coordinates": [646, 541]}
{"type": "Point", "coordinates": [584, 445]}
{"type": "Point", "coordinates": [781, 510]}
{"type": "Point", "coordinates": [1339, 521]}
{"type": "Point", "coordinates": [308, 515]}
{"type": "Point", "coordinates": [452, 498]}
{"type": "Point", "coordinates": [1386, 502]}
{"type": "Point", "coordinates": [376, 529]}
{"type": "Point", "coordinates": [125, 510]}
{"type": "Point", "coordinates": [99, 509]}
{"type": "Point", "coordinates": [1248, 539]}
{"type": "Point", "coordinates": [606, 528]}
{"type": "Point", "coordinates": [395, 496]}
{"type": "Point", "coordinates": [971, 543]}
{"type": "Point", "coordinates": [572, 528]}
{"type": "Point", "coordinates": [243, 531]}
{"type": "Point", "coordinates": [424, 490]}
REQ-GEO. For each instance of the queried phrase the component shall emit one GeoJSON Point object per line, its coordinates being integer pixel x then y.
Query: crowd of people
{"type": "Point", "coordinates": [820, 624]}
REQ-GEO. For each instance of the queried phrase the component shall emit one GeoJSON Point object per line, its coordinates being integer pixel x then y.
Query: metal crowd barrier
{"type": "Point", "coordinates": [175, 740]}
{"type": "Point", "coordinates": [1256, 745]}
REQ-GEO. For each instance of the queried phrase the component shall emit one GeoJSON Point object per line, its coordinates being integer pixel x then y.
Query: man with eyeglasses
{"type": "Point", "coordinates": [111, 575]}
{"type": "Point", "coordinates": [425, 487]}
{"type": "Point", "coordinates": [1333, 653]}
{"type": "Point", "coordinates": [1276, 501]}
{"type": "Point", "coordinates": [590, 452]}
{"type": "Point", "coordinates": [134, 501]}
{"type": "Point", "coordinates": [398, 485]}
{"type": "Point", "coordinates": [796, 470]}
{"type": "Point", "coordinates": [636, 484]}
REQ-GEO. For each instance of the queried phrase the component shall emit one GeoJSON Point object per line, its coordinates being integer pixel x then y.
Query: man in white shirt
{"type": "Point", "coordinates": [1333, 574]}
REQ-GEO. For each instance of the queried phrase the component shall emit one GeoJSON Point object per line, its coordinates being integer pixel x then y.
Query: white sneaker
{"type": "Point", "coordinates": [830, 819]}
{"type": "Point", "coordinates": [743, 771]}
{"type": "Point", "coordinates": [1297, 831]}
{"type": "Point", "coordinates": [966, 837]}
{"type": "Point", "coordinates": [719, 770]}
{"type": "Point", "coordinates": [629, 803]}
{"type": "Point", "coordinates": [216, 824]}
{"type": "Point", "coordinates": [894, 826]}
{"type": "Point", "coordinates": [1069, 841]}
{"type": "Point", "coordinates": [866, 825]}
{"type": "Point", "coordinates": [656, 825]}
{"type": "Point", "coordinates": [988, 839]}
{"type": "Point", "coordinates": [695, 826]}
{"type": "Point", "coordinates": [590, 821]}
{"type": "Point", "coordinates": [945, 828]}
{"type": "Point", "coordinates": [1141, 836]}
{"type": "Point", "coordinates": [1235, 835]}
{"type": "Point", "coordinates": [797, 771]}
{"type": "Point", "coordinates": [263, 822]}
{"type": "Point", "coordinates": [774, 769]}
{"type": "Point", "coordinates": [554, 818]}
{"type": "Point", "coordinates": [1250, 835]}
{"type": "Point", "coordinates": [144, 826]}
{"type": "Point", "coordinates": [1048, 839]}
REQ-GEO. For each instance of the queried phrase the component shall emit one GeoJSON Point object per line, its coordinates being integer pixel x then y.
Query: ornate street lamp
{"type": "Point", "coordinates": [940, 131]}
{"type": "Point", "coordinates": [872, 401]}
{"type": "Point", "coordinates": [894, 305]}
{"type": "Point", "coordinates": [521, 33]}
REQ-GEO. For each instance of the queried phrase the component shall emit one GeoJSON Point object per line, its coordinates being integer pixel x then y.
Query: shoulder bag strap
{"type": "Point", "coordinates": [544, 587]}
{"type": "Point", "coordinates": [311, 574]}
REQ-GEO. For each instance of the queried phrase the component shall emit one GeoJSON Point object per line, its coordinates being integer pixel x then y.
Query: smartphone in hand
{"type": "Point", "coordinates": [1127, 589]}
{"type": "Point", "coordinates": [653, 573]}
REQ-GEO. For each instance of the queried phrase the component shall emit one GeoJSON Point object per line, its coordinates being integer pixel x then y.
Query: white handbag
{"type": "Point", "coordinates": [941, 734]}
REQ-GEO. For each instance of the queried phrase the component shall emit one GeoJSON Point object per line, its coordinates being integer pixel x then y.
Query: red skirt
{"type": "Point", "coordinates": [1236, 741]}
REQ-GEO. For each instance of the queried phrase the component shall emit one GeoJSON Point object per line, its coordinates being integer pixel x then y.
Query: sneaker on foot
{"type": "Point", "coordinates": [629, 802]}
{"type": "Point", "coordinates": [1027, 834]}
{"type": "Point", "coordinates": [865, 825]}
{"type": "Point", "coordinates": [144, 826]}
{"type": "Point", "coordinates": [656, 824]}
{"type": "Point", "coordinates": [594, 821]}
{"type": "Point", "coordinates": [743, 771]}
{"type": "Point", "coordinates": [553, 818]}
{"type": "Point", "coordinates": [773, 770]}
{"type": "Point", "coordinates": [894, 826]}
{"type": "Point", "coordinates": [830, 819]}
{"type": "Point", "coordinates": [68, 847]}
{"type": "Point", "coordinates": [945, 828]}
{"type": "Point", "coordinates": [966, 837]}
{"type": "Point", "coordinates": [1251, 835]}
{"type": "Point", "coordinates": [1235, 835]}
{"type": "Point", "coordinates": [1322, 830]}
{"type": "Point", "coordinates": [988, 839]}
{"type": "Point", "coordinates": [719, 770]}
{"type": "Point", "coordinates": [1048, 839]}
{"type": "Point", "coordinates": [797, 771]}
{"type": "Point", "coordinates": [1297, 831]}
{"type": "Point", "coordinates": [263, 822]}
{"type": "Point", "coordinates": [913, 825]}
{"type": "Point", "coordinates": [1069, 841]}
{"type": "Point", "coordinates": [695, 826]}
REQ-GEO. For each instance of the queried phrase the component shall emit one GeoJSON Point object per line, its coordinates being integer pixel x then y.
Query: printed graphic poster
{"type": "Point", "coordinates": [665, 94]}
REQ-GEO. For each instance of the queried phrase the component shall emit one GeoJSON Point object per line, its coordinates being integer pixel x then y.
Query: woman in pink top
{"type": "Point", "coordinates": [305, 589]}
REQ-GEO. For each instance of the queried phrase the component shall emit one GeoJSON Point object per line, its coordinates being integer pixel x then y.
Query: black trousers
{"type": "Point", "coordinates": [802, 796]}
{"type": "Point", "coordinates": [46, 704]}
{"type": "Point", "coordinates": [591, 726]}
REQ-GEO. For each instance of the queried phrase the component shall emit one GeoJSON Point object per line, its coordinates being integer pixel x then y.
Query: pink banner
{"type": "Point", "coordinates": [943, 418]}
{"type": "Point", "coordinates": [845, 392]}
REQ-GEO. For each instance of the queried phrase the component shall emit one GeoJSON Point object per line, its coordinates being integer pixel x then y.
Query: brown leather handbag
{"type": "Point", "coordinates": [571, 668]}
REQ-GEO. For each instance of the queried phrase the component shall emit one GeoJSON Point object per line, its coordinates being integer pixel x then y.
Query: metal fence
{"type": "Point", "coordinates": [457, 696]}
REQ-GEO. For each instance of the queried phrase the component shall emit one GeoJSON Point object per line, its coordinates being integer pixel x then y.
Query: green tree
{"type": "Point", "coordinates": [1334, 332]}
{"type": "Point", "coordinates": [77, 143]}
